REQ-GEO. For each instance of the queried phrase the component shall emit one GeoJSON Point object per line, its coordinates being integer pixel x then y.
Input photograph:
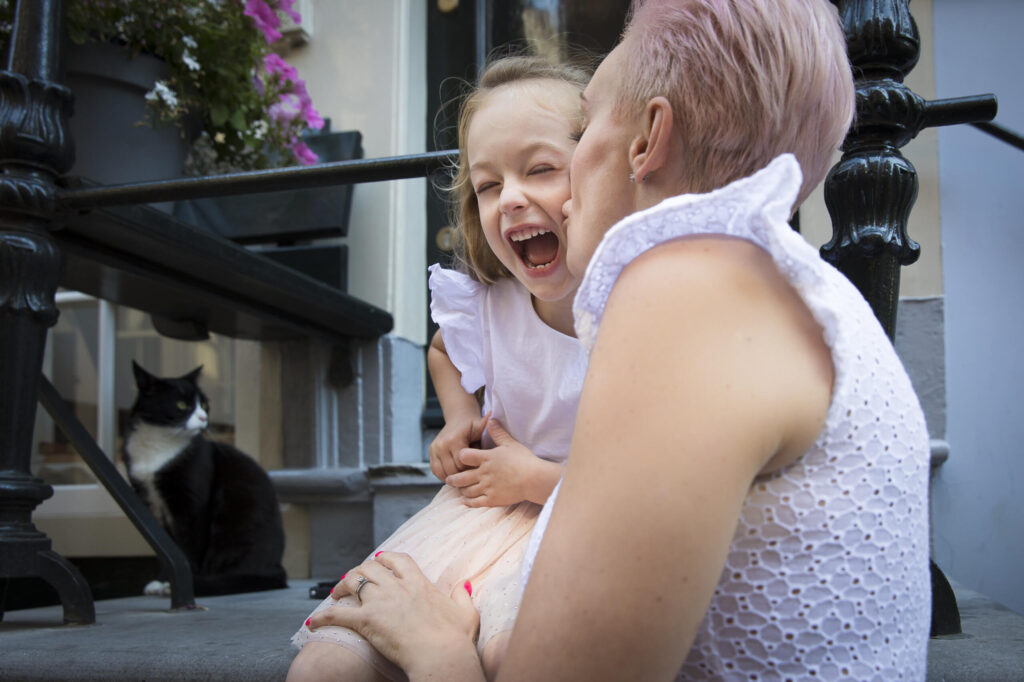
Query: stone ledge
{"type": "Point", "coordinates": [319, 486]}
{"type": "Point", "coordinates": [940, 452]}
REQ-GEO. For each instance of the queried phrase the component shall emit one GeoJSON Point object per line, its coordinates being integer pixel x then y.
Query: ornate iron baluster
{"type": "Point", "coordinates": [34, 150]}
{"type": "Point", "coordinates": [870, 192]}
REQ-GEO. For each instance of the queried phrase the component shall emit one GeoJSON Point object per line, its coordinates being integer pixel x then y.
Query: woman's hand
{"type": "Point", "coordinates": [453, 438]}
{"type": "Point", "coordinates": [408, 620]}
{"type": "Point", "coordinates": [506, 474]}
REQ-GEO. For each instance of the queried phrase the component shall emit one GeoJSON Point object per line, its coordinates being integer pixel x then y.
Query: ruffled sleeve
{"type": "Point", "coordinates": [456, 302]}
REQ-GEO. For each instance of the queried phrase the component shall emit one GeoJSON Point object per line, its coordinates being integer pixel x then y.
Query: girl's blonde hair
{"type": "Point", "coordinates": [470, 246]}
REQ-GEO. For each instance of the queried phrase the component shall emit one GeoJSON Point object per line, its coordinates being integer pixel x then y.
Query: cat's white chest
{"type": "Point", "coordinates": [150, 448]}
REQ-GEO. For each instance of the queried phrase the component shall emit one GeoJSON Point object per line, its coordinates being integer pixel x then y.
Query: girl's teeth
{"type": "Point", "coordinates": [528, 234]}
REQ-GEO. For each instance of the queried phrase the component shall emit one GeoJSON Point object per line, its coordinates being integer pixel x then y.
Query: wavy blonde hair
{"type": "Point", "coordinates": [471, 250]}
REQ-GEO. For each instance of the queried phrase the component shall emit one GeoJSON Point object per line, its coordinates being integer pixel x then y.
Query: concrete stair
{"type": "Point", "coordinates": [245, 637]}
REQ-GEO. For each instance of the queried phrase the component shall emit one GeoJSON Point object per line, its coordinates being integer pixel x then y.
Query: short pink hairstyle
{"type": "Point", "coordinates": [748, 80]}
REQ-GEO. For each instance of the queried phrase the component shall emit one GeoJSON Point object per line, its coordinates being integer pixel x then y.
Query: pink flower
{"type": "Point", "coordinates": [274, 64]}
{"type": "Point", "coordinates": [286, 7]}
{"type": "Point", "coordinates": [266, 19]}
{"type": "Point", "coordinates": [286, 109]}
{"type": "Point", "coordinates": [313, 118]}
{"type": "Point", "coordinates": [303, 153]}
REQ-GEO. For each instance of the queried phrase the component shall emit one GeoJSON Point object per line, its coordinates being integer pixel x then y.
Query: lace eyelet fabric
{"type": "Point", "coordinates": [827, 576]}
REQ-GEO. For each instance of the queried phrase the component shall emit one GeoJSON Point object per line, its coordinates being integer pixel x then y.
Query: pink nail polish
{"type": "Point", "coordinates": [469, 588]}
{"type": "Point", "coordinates": [332, 591]}
{"type": "Point", "coordinates": [307, 622]}
{"type": "Point", "coordinates": [377, 554]}
{"type": "Point", "coordinates": [343, 575]}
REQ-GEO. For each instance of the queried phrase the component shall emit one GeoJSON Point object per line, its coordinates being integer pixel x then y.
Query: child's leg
{"type": "Point", "coordinates": [494, 653]}
{"type": "Point", "coordinates": [324, 661]}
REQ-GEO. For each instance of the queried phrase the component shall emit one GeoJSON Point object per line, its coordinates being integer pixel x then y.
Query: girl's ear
{"type": "Point", "coordinates": [650, 150]}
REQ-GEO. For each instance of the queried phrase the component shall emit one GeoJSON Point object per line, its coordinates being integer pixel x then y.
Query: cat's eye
{"type": "Point", "coordinates": [182, 405]}
{"type": "Point", "coordinates": [205, 405]}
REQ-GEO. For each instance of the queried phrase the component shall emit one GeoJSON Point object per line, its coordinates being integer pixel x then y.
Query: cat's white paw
{"type": "Point", "coordinates": [157, 588]}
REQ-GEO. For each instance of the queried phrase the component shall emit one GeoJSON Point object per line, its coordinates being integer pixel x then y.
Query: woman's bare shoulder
{"type": "Point", "coordinates": [724, 299]}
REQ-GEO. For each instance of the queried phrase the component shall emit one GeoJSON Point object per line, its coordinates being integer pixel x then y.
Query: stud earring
{"type": "Point", "coordinates": [632, 178]}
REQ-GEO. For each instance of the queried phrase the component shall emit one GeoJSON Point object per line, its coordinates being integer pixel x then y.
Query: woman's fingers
{"type": "Point", "coordinates": [400, 564]}
{"type": "Point", "coordinates": [369, 569]}
{"type": "Point", "coordinates": [343, 616]}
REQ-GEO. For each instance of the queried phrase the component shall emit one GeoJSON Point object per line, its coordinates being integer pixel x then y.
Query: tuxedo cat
{"type": "Point", "coordinates": [217, 504]}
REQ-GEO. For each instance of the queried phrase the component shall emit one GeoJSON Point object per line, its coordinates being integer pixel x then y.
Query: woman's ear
{"type": "Point", "coordinates": [650, 150]}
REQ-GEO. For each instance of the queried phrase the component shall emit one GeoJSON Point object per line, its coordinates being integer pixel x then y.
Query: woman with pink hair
{"type": "Point", "coordinates": [746, 491]}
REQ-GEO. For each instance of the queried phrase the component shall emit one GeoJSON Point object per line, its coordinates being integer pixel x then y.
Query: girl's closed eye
{"type": "Point", "coordinates": [484, 186]}
{"type": "Point", "coordinates": [544, 168]}
{"type": "Point", "coordinates": [576, 135]}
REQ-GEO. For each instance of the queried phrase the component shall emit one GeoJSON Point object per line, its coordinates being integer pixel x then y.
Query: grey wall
{"type": "Point", "coordinates": [978, 506]}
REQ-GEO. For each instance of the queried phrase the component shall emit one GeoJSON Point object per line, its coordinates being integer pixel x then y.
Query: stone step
{"type": "Point", "coordinates": [245, 637]}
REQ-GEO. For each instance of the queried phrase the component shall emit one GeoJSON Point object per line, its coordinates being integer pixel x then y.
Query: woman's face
{"type": "Point", "coordinates": [519, 145]}
{"type": "Point", "coordinates": [601, 190]}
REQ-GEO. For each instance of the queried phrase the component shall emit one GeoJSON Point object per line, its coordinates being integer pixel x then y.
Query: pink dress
{"type": "Point", "coordinates": [532, 376]}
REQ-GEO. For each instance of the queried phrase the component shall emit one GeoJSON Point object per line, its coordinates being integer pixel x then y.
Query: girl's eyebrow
{"type": "Point", "coordinates": [526, 150]}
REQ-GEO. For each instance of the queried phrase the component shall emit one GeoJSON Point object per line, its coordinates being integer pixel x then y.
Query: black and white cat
{"type": "Point", "coordinates": [215, 501]}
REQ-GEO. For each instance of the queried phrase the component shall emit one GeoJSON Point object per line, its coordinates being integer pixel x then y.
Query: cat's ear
{"type": "Point", "coordinates": [143, 379]}
{"type": "Point", "coordinates": [193, 376]}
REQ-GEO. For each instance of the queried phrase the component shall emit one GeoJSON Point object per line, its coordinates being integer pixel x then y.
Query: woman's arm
{"type": "Point", "coordinates": [463, 424]}
{"type": "Point", "coordinates": [707, 370]}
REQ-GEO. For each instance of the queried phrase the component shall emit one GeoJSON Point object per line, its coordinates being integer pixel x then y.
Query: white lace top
{"type": "Point", "coordinates": [827, 577]}
{"type": "Point", "coordinates": [532, 374]}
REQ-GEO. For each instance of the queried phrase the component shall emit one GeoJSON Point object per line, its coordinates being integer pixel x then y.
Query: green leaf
{"type": "Point", "coordinates": [238, 121]}
{"type": "Point", "coordinates": [218, 114]}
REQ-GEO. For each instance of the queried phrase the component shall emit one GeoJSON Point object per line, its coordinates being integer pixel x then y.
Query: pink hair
{"type": "Point", "coordinates": [748, 80]}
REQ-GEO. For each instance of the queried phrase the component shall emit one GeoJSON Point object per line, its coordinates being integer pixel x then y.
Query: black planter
{"type": "Point", "coordinates": [285, 226]}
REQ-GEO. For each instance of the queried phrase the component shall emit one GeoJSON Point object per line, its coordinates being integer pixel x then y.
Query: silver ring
{"type": "Point", "coordinates": [362, 580]}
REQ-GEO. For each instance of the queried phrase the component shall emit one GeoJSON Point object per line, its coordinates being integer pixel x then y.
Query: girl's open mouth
{"type": "Point", "coordinates": [537, 247]}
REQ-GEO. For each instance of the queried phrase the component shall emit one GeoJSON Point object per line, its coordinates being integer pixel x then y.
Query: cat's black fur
{"type": "Point", "coordinates": [214, 500]}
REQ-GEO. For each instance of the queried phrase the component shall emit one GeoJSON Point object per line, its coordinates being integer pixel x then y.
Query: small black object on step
{"type": "Point", "coordinates": [945, 614]}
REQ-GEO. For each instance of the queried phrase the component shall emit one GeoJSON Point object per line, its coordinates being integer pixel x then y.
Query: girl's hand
{"type": "Point", "coordinates": [454, 437]}
{"type": "Point", "coordinates": [407, 619]}
{"type": "Point", "coordinates": [506, 474]}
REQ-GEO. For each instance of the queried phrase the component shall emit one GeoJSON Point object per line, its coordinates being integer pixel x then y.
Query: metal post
{"type": "Point", "coordinates": [34, 149]}
{"type": "Point", "coordinates": [870, 192]}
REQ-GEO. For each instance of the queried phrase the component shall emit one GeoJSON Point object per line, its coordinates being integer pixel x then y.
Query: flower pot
{"type": "Point", "coordinates": [112, 144]}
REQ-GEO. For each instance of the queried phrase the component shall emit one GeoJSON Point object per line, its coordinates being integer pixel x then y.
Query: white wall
{"type": "Point", "coordinates": [978, 509]}
{"type": "Point", "coordinates": [365, 68]}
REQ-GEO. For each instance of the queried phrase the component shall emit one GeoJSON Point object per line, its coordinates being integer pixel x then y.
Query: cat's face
{"type": "Point", "coordinates": [174, 403]}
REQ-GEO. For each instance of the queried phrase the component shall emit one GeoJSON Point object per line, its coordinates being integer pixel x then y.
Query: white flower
{"type": "Point", "coordinates": [190, 61]}
{"type": "Point", "coordinates": [219, 138]}
{"type": "Point", "coordinates": [259, 129]}
{"type": "Point", "coordinates": [189, 41]}
{"type": "Point", "coordinates": [162, 93]}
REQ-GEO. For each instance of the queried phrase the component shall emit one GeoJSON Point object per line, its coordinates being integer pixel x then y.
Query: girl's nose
{"type": "Point", "coordinates": [512, 198]}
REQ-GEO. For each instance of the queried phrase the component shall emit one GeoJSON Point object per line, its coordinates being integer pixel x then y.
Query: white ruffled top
{"type": "Point", "coordinates": [827, 577]}
{"type": "Point", "coordinates": [532, 375]}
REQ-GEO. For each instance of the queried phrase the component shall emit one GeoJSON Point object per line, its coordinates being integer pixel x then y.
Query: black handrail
{"type": "Point", "coordinates": [999, 132]}
{"type": "Point", "coordinates": [251, 182]}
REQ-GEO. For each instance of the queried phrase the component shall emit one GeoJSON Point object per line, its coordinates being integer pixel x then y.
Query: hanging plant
{"type": "Point", "coordinates": [223, 72]}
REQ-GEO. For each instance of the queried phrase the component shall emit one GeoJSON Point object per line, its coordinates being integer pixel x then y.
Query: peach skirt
{"type": "Point", "coordinates": [452, 543]}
